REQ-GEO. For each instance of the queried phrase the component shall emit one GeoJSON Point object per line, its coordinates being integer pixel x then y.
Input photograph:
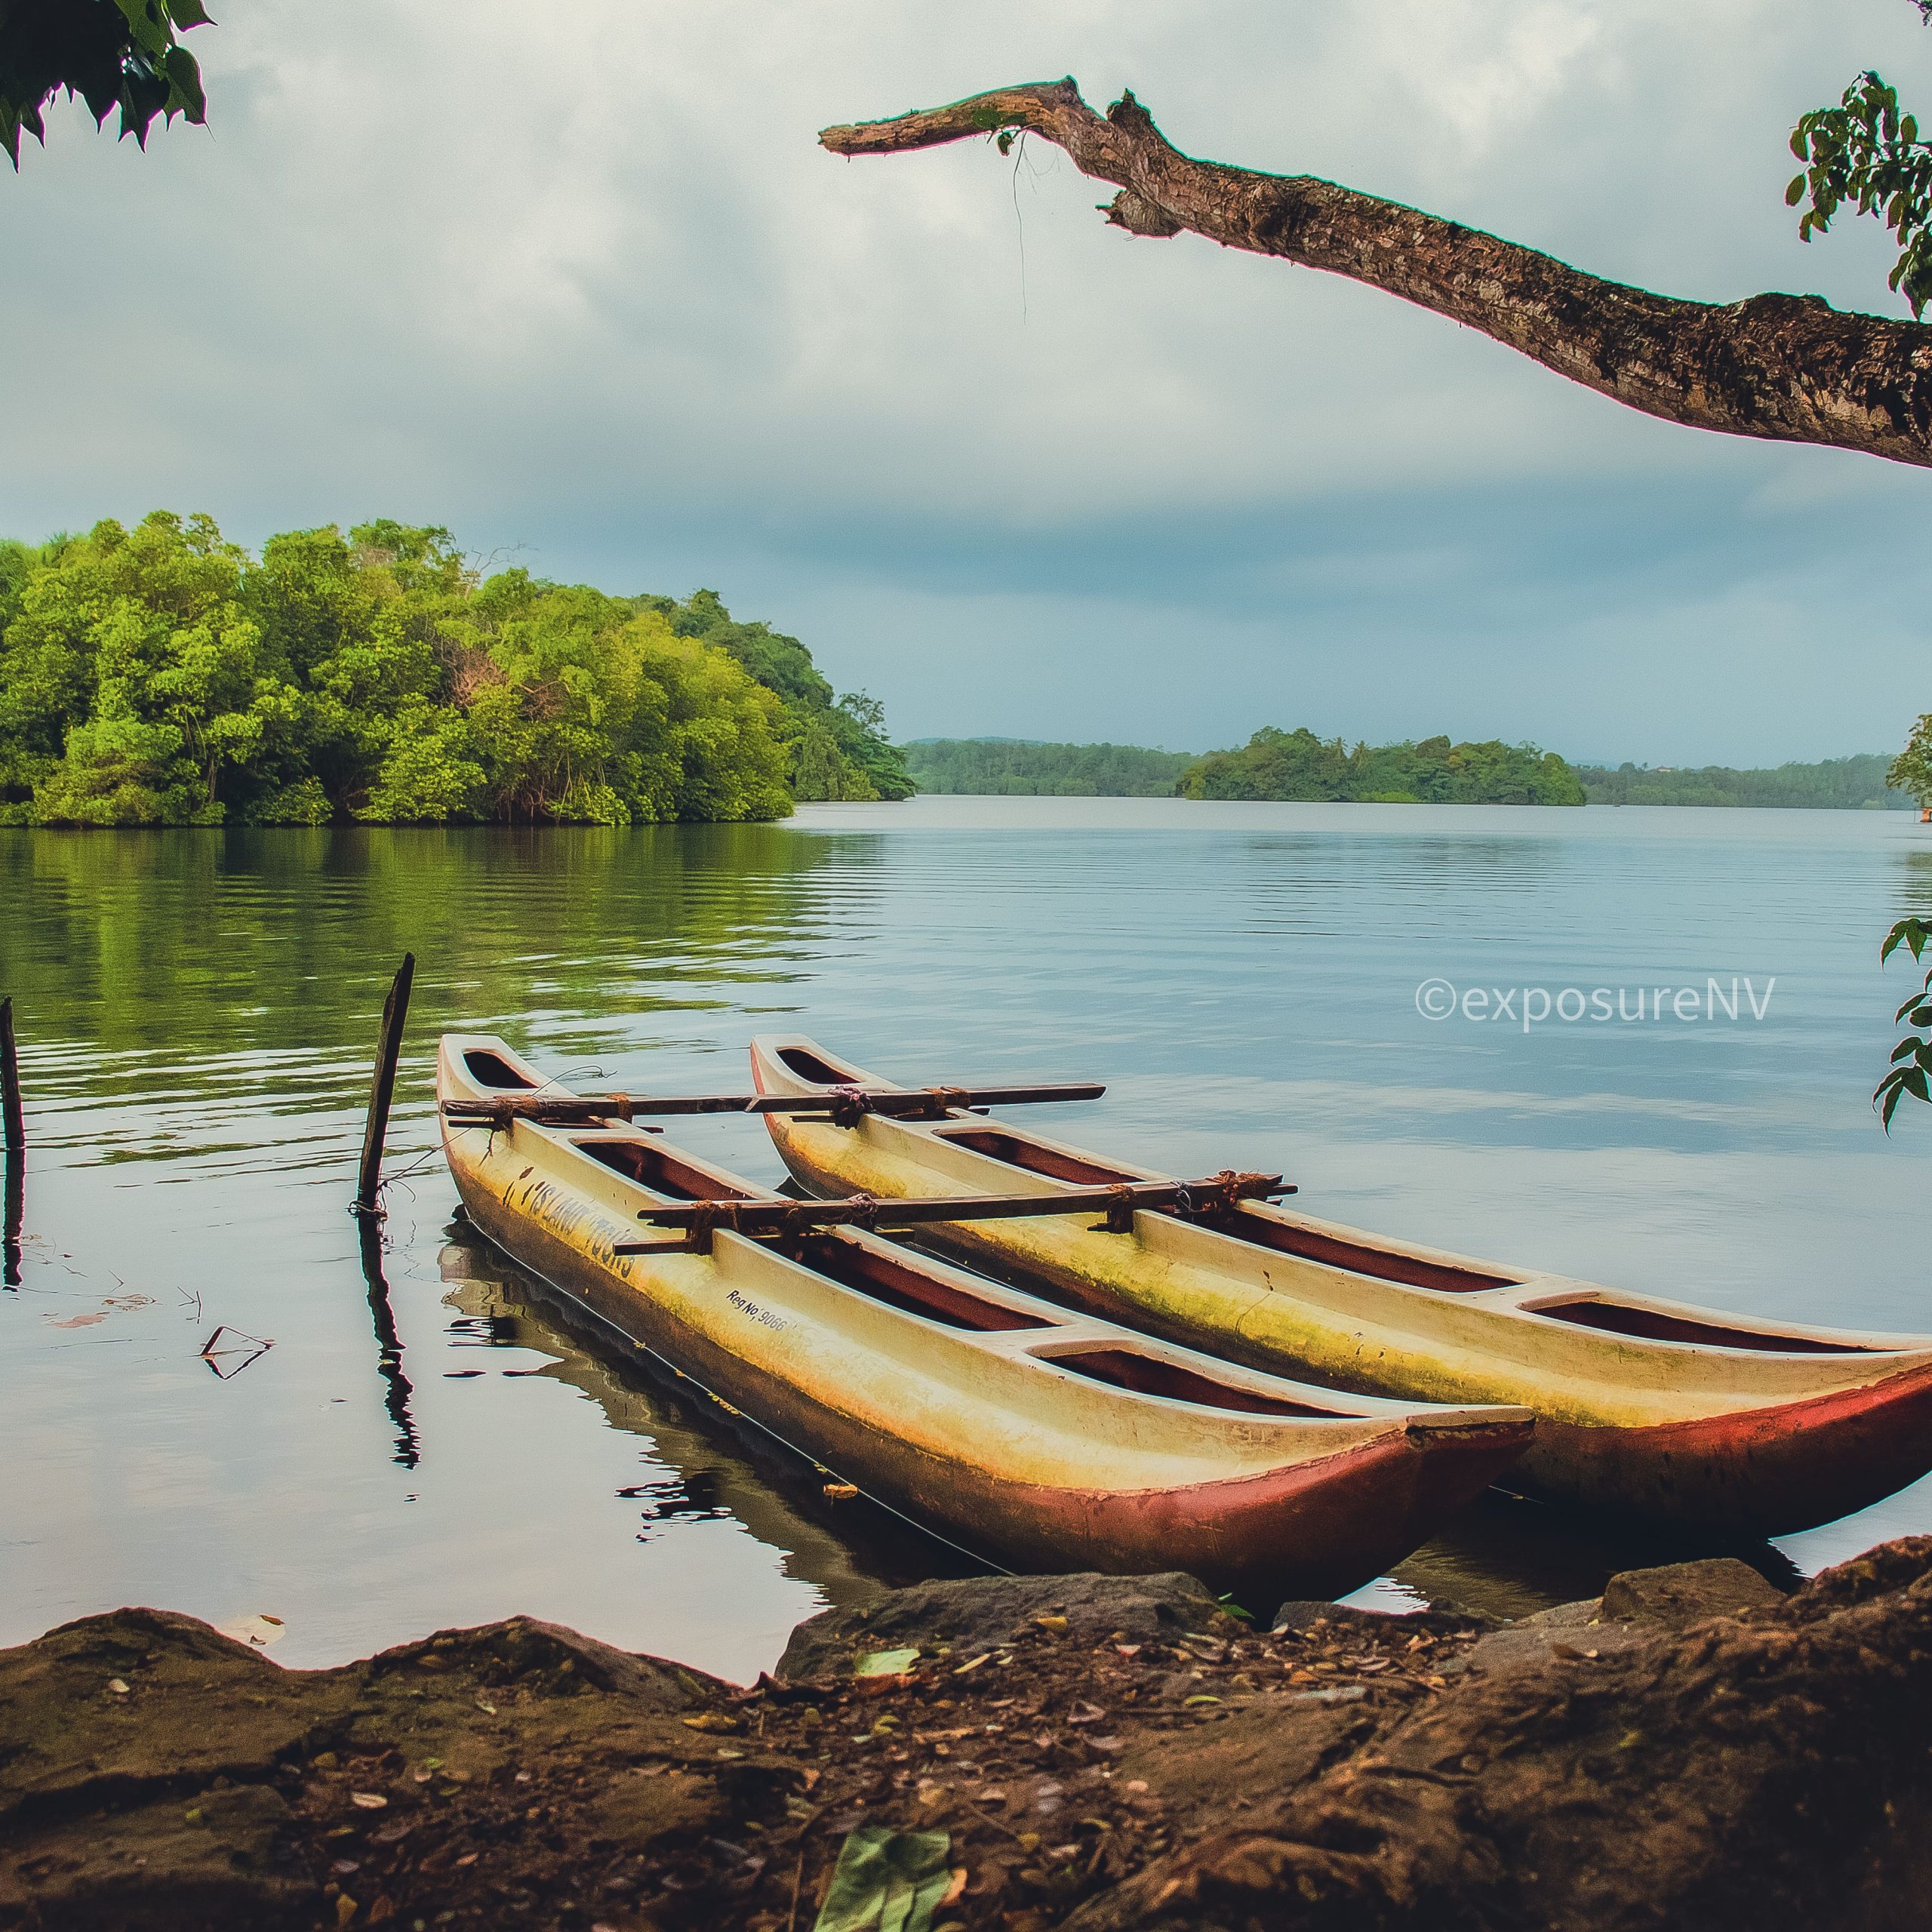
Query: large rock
{"type": "Point", "coordinates": [1681, 1594]}
{"type": "Point", "coordinates": [143, 1701]}
{"type": "Point", "coordinates": [978, 1613]}
{"type": "Point", "coordinates": [231, 1858]}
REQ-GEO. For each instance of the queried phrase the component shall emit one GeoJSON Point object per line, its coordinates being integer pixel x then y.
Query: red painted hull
{"type": "Point", "coordinates": [1763, 1471]}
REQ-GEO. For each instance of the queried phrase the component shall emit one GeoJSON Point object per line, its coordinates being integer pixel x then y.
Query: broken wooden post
{"type": "Point", "coordinates": [382, 1088]}
{"type": "Point", "coordinates": [13, 1122]}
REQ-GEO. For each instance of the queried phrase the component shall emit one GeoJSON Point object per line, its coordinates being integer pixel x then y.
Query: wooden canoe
{"type": "Point", "coordinates": [1676, 1413]}
{"type": "Point", "coordinates": [1021, 1432]}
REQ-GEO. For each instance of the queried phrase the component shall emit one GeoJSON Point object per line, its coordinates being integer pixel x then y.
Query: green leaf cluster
{"type": "Point", "coordinates": [161, 676]}
{"type": "Point", "coordinates": [1297, 764]}
{"type": "Point", "coordinates": [112, 53]}
{"type": "Point", "coordinates": [1912, 1058]}
{"type": "Point", "coordinates": [1867, 153]}
{"type": "Point", "coordinates": [1019, 766]}
{"type": "Point", "coordinates": [834, 748]}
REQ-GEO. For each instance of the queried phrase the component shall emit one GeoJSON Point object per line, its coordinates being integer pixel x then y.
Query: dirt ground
{"type": "Point", "coordinates": [1102, 1753]}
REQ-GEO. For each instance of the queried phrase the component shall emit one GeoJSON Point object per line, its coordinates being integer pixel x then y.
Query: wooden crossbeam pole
{"type": "Point", "coordinates": [1218, 1192]}
{"type": "Point", "coordinates": [549, 1111]}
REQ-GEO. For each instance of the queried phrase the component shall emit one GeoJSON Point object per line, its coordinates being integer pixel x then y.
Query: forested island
{"type": "Point", "coordinates": [1024, 767]}
{"type": "Point", "coordinates": [1274, 764]}
{"type": "Point", "coordinates": [1835, 784]}
{"type": "Point", "coordinates": [162, 675]}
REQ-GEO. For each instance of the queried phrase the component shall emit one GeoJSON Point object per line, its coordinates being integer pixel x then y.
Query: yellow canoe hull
{"type": "Point", "coordinates": [1673, 1413]}
{"type": "Point", "coordinates": [1024, 1433]}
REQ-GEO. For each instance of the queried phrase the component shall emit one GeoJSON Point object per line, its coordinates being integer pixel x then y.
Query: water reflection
{"type": "Point", "coordinates": [13, 1216]}
{"type": "Point", "coordinates": [388, 1343]}
{"type": "Point", "coordinates": [1507, 1556]}
{"type": "Point", "coordinates": [713, 1464]}
{"type": "Point", "coordinates": [197, 1009]}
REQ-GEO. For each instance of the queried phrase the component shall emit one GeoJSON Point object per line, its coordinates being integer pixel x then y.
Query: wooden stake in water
{"type": "Point", "coordinates": [382, 1088]}
{"type": "Point", "coordinates": [12, 1124]}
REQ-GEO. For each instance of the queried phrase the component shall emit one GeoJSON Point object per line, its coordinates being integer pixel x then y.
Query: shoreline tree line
{"type": "Point", "coordinates": [163, 675]}
{"type": "Point", "coordinates": [1489, 774]}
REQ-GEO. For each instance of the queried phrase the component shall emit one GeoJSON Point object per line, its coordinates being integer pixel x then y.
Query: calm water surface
{"type": "Point", "coordinates": [197, 1011]}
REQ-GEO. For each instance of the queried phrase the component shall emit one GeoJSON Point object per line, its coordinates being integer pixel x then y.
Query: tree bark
{"type": "Point", "coordinates": [1789, 368]}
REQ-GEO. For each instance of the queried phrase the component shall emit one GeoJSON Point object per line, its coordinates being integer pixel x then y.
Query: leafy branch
{"type": "Point", "coordinates": [1912, 1058]}
{"type": "Point", "coordinates": [112, 53]}
{"type": "Point", "coordinates": [1866, 152]}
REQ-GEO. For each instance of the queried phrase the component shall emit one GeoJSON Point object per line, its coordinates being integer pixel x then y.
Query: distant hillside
{"type": "Point", "coordinates": [1020, 766]}
{"type": "Point", "coordinates": [1836, 784]}
{"type": "Point", "coordinates": [1276, 764]}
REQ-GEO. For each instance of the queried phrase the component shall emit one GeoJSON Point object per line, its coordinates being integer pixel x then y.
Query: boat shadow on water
{"type": "Point", "coordinates": [1503, 1555]}
{"type": "Point", "coordinates": [851, 1549]}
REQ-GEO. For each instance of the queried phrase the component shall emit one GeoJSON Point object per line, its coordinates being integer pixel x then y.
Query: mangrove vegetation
{"type": "Point", "coordinates": [163, 675]}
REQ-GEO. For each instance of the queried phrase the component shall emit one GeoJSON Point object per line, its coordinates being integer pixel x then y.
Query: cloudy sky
{"type": "Point", "coordinates": [576, 281]}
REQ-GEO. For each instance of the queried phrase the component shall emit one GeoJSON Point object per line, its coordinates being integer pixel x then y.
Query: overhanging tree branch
{"type": "Point", "coordinates": [1790, 368]}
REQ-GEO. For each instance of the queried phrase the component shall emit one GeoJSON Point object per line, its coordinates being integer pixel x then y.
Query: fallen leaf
{"type": "Point", "coordinates": [118, 1686]}
{"type": "Point", "coordinates": [961, 1670]}
{"type": "Point", "coordinates": [368, 1800]}
{"type": "Point", "coordinates": [711, 1721]}
{"type": "Point", "coordinates": [885, 1663]}
{"type": "Point", "coordinates": [488, 1710]}
{"type": "Point", "coordinates": [958, 1886]}
{"type": "Point", "coordinates": [840, 1492]}
{"type": "Point", "coordinates": [1201, 1697]}
{"type": "Point", "coordinates": [1055, 1624]}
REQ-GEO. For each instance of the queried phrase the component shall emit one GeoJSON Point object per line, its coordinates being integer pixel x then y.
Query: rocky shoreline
{"type": "Point", "coordinates": [1096, 1753]}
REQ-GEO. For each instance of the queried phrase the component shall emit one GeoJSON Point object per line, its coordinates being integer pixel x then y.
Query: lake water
{"type": "Point", "coordinates": [197, 1011]}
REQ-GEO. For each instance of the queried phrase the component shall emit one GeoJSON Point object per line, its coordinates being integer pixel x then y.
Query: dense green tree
{"type": "Point", "coordinates": [834, 748]}
{"type": "Point", "coordinates": [1276, 764]}
{"type": "Point", "coordinates": [161, 676]}
{"type": "Point", "coordinates": [139, 640]}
